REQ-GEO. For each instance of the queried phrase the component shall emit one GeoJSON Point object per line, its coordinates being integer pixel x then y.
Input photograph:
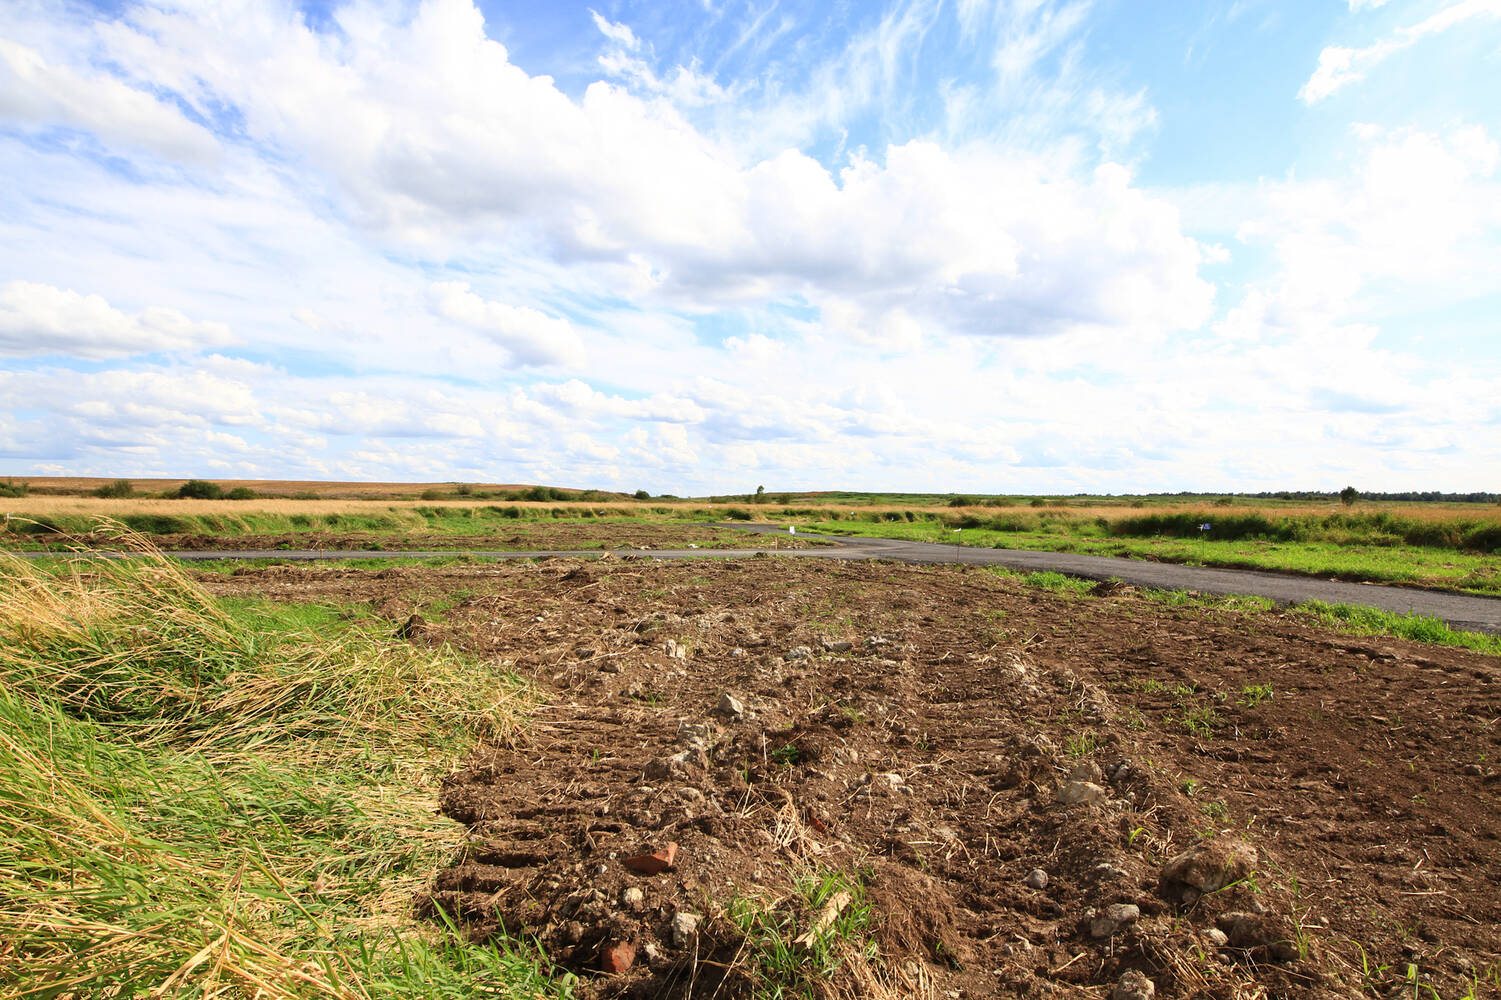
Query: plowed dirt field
{"type": "Point", "coordinates": [1027, 793]}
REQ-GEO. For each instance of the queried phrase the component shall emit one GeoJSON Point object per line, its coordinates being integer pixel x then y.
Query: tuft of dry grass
{"type": "Point", "coordinates": [201, 803]}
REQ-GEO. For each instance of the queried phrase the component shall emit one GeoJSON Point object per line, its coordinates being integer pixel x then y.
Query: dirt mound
{"type": "Point", "coordinates": [958, 786]}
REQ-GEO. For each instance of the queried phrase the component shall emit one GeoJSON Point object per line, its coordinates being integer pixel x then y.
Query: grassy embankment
{"type": "Point", "coordinates": [233, 800]}
{"type": "Point", "coordinates": [1441, 547]}
{"type": "Point", "coordinates": [39, 521]}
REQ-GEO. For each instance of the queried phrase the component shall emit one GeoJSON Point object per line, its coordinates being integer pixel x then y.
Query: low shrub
{"type": "Point", "coordinates": [200, 489]}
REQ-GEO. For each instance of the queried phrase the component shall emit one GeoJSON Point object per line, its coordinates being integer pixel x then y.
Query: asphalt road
{"type": "Point", "coordinates": [1465, 611]}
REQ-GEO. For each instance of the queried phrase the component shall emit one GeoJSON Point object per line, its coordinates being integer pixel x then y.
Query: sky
{"type": "Point", "coordinates": [1084, 246]}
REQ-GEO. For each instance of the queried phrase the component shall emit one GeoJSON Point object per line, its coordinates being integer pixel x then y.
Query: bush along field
{"type": "Point", "coordinates": [229, 799]}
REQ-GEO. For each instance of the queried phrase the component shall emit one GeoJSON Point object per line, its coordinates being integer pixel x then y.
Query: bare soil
{"type": "Point", "coordinates": [1265, 809]}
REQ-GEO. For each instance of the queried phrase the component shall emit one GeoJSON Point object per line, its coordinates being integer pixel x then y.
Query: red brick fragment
{"type": "Point", "coordinates": [617, 956]}
{"type": "Point", "coordinates": [656, 862]}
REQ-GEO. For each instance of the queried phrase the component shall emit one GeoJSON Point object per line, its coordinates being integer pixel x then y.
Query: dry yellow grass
{"type": "Point", "coordinates": [284, 487]}
{"type": "Point", "coordinates": [35, 505]}
{"type": "Point", "coordinates": [43, 505]}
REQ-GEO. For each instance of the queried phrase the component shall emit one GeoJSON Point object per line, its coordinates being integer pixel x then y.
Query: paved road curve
{"type": "Point", "coordinates": [1466, 611]}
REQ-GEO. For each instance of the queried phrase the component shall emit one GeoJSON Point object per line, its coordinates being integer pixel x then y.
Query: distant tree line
{"type": "Point", "coordinates": [1411, 496]}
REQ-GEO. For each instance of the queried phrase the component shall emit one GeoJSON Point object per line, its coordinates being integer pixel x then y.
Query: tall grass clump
{"type": "Point", "coordinates": [197, 801]}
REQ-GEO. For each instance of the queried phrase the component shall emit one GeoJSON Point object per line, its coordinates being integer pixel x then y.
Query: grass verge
{"type": "Point", "coordinates": [198, 800]}
{"type": "Point", "coordinates": [1354, 558]}
{"type": "Point", "coordinates": [1351, 618]}
{"type": "Point", "coordinates": [1420, 628]}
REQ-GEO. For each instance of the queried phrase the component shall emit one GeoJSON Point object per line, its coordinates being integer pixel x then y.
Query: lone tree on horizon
{"type": "Point", "coordinates": [1348, 496]}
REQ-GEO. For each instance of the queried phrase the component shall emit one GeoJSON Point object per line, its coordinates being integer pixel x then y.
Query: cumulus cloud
{"type": "Point", "coordinates": [38, 319]}
{"type": "Point", "coordinates": [532, 337]}
{"type": "Point", "coordinates": [1339, 66]}
{"type": "Point", "coordinates": [428, 128]}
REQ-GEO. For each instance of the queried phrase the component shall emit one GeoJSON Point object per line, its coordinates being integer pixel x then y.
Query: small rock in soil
{"type": "Point", "coordinates": [1133, 985]}
{"type": "Point", "coordinates": [837, 645]}
{"type": "Point", "coordinates": [1116, 916]}
{"type": "Point", "coordinates": [617, 957]}
{"type": "Point", "coordinates": [653, 862]}
{"type": "Point", "coordinates": [1216, 937]}
{"type": "Point", "coordinates": [1037, 879]}
{"type": "Point", "coordinates": [1087, 770]}
{"type": "Point", "coordinates": [1206, 867]}
{"type": "Point", "coordinates": [696, 735]}
{"type": "Point", "coordinates": [675, 650]}
{"type": "Point", "coordinates": [798, 653]}
{"type": "Point", "coordinates": [632, 898]}
{"type": "Point", "coordinates": [1086, 792]}
{"type": "Point", "coordinates": [684, 927]}
{"type": "Point", "coordinates": [730, 706]}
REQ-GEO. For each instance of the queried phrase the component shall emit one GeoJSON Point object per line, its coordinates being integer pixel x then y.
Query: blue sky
{"type": "Point", "coordinates": [697, 247]}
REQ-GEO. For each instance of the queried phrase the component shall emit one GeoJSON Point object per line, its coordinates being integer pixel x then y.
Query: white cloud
{"type": "Point", "coordinates": [1340, 66]}
{"type": "Point", "coordinates": [35, 92]}
{"type": "Point", "coordinates": [531, 337]}
{"type": "Point", "coordinates": [38, 319]}
{"type": "Point", "coordinates": [620, 34]}
{"type": "Point", "coordinates": [432, 133]}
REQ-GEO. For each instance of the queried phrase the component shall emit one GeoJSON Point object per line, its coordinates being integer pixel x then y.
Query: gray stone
{"type": "Point", "coordinates": [699, 735]}
{"type": "Point", "coordinates": [632, 898]}
{"type": "Point", "coordinates": [798, 653]}
{"type": "Point", "coordinates": [1122, 913]}
{"type": "Point", "coordinates": [1087, 770]}
{"type": "Point", "coordinates": [1081, 792]}
{"type": "Point", "coordinates": [1216, 937]}
{"type": "Point", "coordinates": [675, 650]}
{"type": "Point", "coordinates": [684, 929]}
{"type": "Point", "coordinates": [1037, 879]}
{"type": "Point", "coordinates": [730, 706]}
{"type": "Point", "coordinates": [1133, 985]}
